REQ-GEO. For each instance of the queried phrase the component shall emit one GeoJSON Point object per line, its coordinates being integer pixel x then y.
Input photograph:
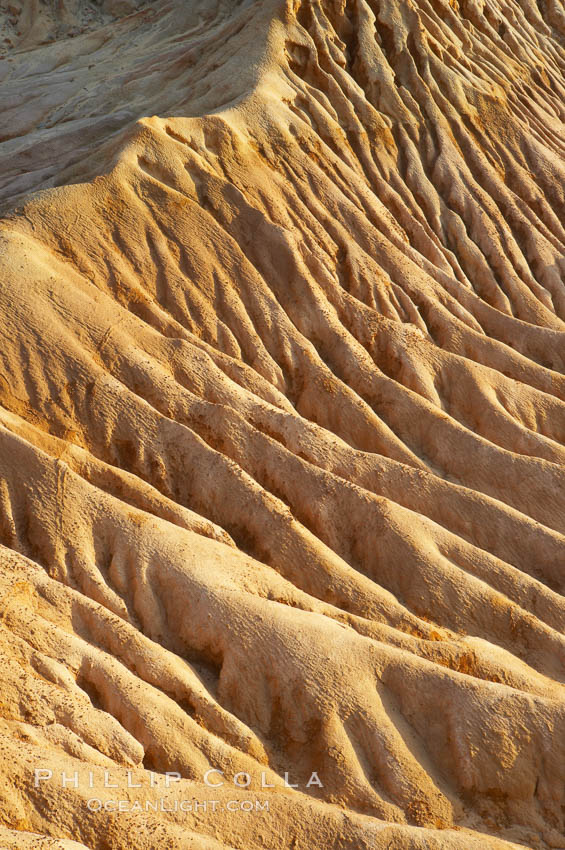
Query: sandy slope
{"type": "Point", "coordinates": [282, 421]}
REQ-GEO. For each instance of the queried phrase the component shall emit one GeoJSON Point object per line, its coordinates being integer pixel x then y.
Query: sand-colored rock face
{"type": "Point", "coordinates": [282, 418]}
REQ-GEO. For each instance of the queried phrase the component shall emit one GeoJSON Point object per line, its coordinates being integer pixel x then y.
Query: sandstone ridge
{"type": "Point", "coordinates": [282, 421]}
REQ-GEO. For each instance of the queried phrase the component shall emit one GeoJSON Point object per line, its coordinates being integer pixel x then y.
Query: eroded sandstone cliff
{"type": "Point", "coordinates": [282, 421]}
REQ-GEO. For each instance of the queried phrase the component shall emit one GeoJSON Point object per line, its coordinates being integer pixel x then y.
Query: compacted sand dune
{"type": "Point", "coordinates": [282, 423]}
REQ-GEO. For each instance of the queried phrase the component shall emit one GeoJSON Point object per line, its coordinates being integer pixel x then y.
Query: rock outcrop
{"type": "Point", "coordinates": [282, 424]}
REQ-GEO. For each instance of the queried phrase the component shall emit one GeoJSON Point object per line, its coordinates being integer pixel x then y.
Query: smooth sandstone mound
{"type": "Point", "coordinates": [282, 421]}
